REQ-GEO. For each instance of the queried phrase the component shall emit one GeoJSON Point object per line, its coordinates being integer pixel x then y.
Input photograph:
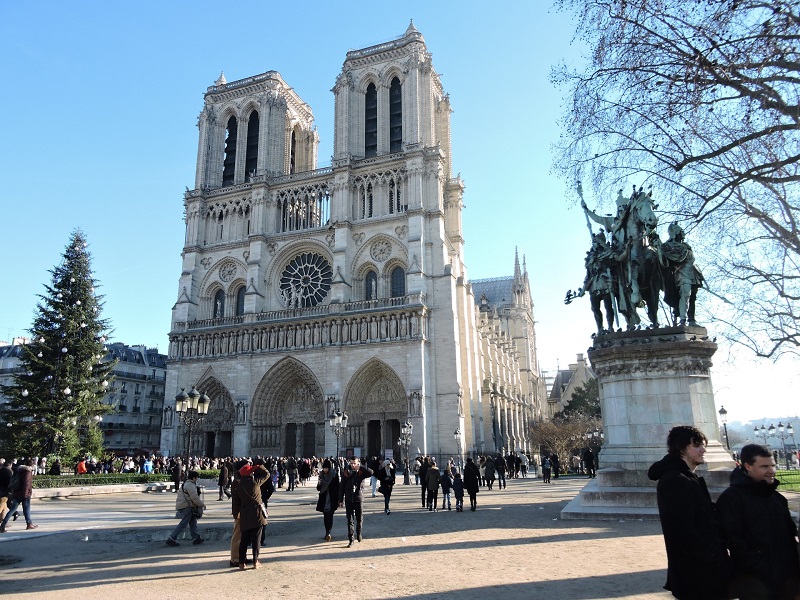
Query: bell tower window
{"type": "Point", "coordinates": [240, 301]}
{"type": "Point", "coordinates": [371, 121]}
{"type": "Point", "coordinates": [229, 163]}
{"type": "Point", "coordinates": [251, 161]}
{"type": "Point", "coordinates": [371, 286]}
{"type": "Point", "coordinates": [395, 116]}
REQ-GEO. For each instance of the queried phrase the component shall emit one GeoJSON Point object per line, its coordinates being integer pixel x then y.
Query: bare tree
{"type": "Point", "coordinates": [562, 435]}
{"type": "Point", "coordinates": [702, 100]}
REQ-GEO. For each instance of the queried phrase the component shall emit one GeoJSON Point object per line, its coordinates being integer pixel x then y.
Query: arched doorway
{"type": "Point", "coordinates": [214, 433]}
{"type": "Point", "coordinates": [376, 404]}
{"type": "Point", "coordinates": [288, 415]}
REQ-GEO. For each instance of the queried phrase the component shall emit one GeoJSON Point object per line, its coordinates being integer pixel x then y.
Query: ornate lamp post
{"type": "Point", "coordinates": [405, 444]}
{"type": "Point", "coordinates": [762, 433]}
{"type": "Point", "coordinates": [338, 421]}
{"type": "Point", "coordinates": [783, 433]}
{"type": "Point", "coordinates": [192, 408]}
{"type": "Point", "coordinates": [457, 437]}
{"type": "Point", "coordinates": [723, 416]}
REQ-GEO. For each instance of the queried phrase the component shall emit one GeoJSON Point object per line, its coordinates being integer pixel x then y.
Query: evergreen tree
{"type": "Point", "coordinates": [585, 401]}
{"type": "Point", "coordinates": [54, 403]}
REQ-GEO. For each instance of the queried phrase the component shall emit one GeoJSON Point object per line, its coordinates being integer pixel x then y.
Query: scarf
{"type": "Point", "coordinates": [325, 481]}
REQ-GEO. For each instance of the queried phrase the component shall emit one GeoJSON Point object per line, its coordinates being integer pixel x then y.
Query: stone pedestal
{"type": "Point", "coordinates": [650, 381]}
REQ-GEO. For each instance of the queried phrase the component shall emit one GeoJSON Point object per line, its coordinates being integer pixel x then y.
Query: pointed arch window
{"type": "Point", "coordinates": [229, 162]}
{"type": "Point", "coordinates": [398, 282]}
{"type": "Point", "coordinates": [240, 301]}
{"type": "Point", "coordinates": [251, 159]}
{"type": "Point", "coordinates": [371, 121]}
{"type": "Point", "coordinates": [293, 152]}
{"type": "Point", "coordinates": [395, 116]}
{"type": "Point", "coordinates": [219, 304]}
{"type": "Point", "coordinates": [371, 286]}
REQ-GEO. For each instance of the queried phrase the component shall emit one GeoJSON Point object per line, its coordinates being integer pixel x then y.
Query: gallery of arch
{"type": "Point", "coordinates": [309, 290]}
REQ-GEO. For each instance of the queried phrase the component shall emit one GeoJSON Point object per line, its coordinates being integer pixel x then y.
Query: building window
{"type": "Point", "coordinates": [293, 152]}
{"type": "Point", "coordinates": [306, 280]}
{"type": "Point", "coordinates": [371, 121]}
{"type": "Point", "coordinates": [240, 301]}
{"type": "Point", "coordinates": [229, 162]}
{"type": "Point", "coordinates": [219, 304]}
{"type": "Point", "coordinates": [395, 116]}
{"type": "Point", "coordinates": [251, 160]}
{"type": "Point", "coordinates": [398, 279]}
{"type": "Point", "coordinates": [371, 286]}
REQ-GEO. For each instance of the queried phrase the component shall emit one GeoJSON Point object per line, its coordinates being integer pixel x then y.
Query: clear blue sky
{"type": "Point", "coordinates": [100, 114]}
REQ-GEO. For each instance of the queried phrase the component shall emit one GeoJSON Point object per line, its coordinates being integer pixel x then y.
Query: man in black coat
{"type": "Point", "coordinates": [351, 495]}
{"type": "Point", "coordinates": [423, 477]}
{"type": "Point", "coordinates": [697, 563]}
{"type": "Point", "coordinates": [759, 530]}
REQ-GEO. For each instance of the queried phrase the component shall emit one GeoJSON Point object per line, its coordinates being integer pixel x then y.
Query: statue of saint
{"type": "Point", "coordinates": [599, 281]}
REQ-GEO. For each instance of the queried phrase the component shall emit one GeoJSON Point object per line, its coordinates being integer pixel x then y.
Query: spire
{"type": "Point", "coordinates": [411, 29]}
{"type": "Point", "coordinates": [221, 80]}
{"type": "Point", "coordinates": [517, 271]}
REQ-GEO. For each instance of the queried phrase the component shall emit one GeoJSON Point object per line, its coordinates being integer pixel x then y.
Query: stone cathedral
{"type": "Point", "coordinates": [306, 290]}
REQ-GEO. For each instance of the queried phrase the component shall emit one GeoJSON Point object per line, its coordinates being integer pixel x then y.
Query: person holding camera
{"type": "Point", "coordinates": [351, 496]}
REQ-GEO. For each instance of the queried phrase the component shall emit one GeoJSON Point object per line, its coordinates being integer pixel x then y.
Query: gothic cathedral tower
{"type": "Point", "coordinates": [306, 291]}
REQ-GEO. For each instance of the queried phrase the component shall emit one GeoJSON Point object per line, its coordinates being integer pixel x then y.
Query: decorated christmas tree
{"type": "Point", "coordinates": [54, 404]}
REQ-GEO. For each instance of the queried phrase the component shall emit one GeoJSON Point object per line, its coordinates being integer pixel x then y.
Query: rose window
{"type": "Point", "coordinates": [306, 280]}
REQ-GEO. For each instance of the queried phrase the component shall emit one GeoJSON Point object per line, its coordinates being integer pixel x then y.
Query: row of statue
{"type": "Point", "coordinates": [631, 268]}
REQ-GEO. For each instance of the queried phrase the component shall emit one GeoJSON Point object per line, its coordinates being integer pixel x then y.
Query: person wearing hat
{"type": "Point", "coordinates": [187, 501]}
{"type": "Point", "coordinates": [248, 507]}
{"type": "Point", "coordinates": [328, 488]}
{"type": "Point", "coordinates": [236, 537]}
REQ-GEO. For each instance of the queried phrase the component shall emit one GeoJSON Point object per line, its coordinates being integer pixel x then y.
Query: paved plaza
{"type": "Point", "coordinates": [513, 546]}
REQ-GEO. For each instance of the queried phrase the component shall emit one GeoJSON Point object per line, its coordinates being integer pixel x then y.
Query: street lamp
{"type": "Point", "coordinates": [457, 436]}
{"type": "Point", "coordinates": [338, 421]}
{"type": "Point", "coordinates": [723, 416]}
{"type": "Point", "coordinates": [783, 433]}
{"type": "Point", "coordinates": [192, 408]}
{"type": "Point", "coordinates": [404, 441]}
{"type": "Point", "coordinates": [762, 433]}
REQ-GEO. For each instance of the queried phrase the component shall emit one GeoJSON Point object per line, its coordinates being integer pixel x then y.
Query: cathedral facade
{"type": "Point", "coordinates": [305, 291]}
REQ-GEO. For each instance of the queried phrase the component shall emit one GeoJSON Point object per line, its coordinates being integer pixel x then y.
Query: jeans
{"type": "Point", "coordinates": [250, 537]}
{"type": "Point", "coordinates": [501, 479]}
{"type": "Point", "coordinates": [187, 518]}
{"type": "Point", "coordinates": [445, 499]}
{"type": "Point", "coordinates": [374, 483]}
{"type": "Point", "coordinates": [292, 477]}
{"type": "Point", "coordinates": [12, 506]}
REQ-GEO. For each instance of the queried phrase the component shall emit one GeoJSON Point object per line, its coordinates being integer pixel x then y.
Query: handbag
{"type": "Point", "coordinates": [197, 511]}
{"type": "Point", "coordinates": [264, 512]}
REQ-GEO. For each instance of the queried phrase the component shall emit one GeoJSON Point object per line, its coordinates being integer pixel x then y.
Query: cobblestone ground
{"type": "Point", "coordinates": [513, 546]}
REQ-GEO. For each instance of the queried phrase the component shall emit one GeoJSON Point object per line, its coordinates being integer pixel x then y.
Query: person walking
{"type": "Point", "coordinates": [759, 530]}
{"type": "Point", "coordinates": [458, 492]}
{"type": "Point", "coordinates": [500, 467]}
{"type": "Point", "coordinates": [328, 502]}
{"type": "Point", "coordinates": [187, 504]}
{"type": "Point", "coordinates": [386, 476]}
{"type": "Point", "coordinates": [546, 468]}
{"type": "Point", "coordinates": [589, 463]}
{"type": "Point", "coordinates": [225, 479]}
{"type": "Point", "coordinates": [423, 477]}
{"type": "Point", "coordinates": [489, 466]}
{"type": "Point", "coordinates": [248, 506]}
{"type": "Point", "coordinates": [432, 480]}
{"type": "Point", "coordinates": [446, 482]}
{"type": "Point", "coordinates": [351, 496]}
{"type": "Point", "coordinates": [556, 464]}
{"type": "Point", "coordinates": [697, 561]}
{"type": "Point", "coordinates": [21, 491]}
{"type": "Point", "coordinates": [472, 482]}
{"type": "Point", "coordinates": [291, 473]}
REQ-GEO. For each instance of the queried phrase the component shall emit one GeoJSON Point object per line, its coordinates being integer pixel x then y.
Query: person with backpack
{"type": "Point", "coordinates": [20, 490]}
{"type": "Point", "coordinates": [188, 508]}
{"type": "Point", "coordinates": [546, 467]}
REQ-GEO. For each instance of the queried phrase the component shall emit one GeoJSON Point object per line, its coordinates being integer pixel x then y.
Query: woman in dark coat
{"type": "Point", "coordinates": [472, 481]}
{"type": "Point", "coordinates": [249, 507]}
{"type": "Point", "coordinates": [328, 488]}
{"type": "Point", "coordinates": [386, 477]}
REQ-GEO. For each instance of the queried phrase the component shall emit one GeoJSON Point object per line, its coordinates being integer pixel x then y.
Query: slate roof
{"type": "Point", "coordinates": [498, 290]}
